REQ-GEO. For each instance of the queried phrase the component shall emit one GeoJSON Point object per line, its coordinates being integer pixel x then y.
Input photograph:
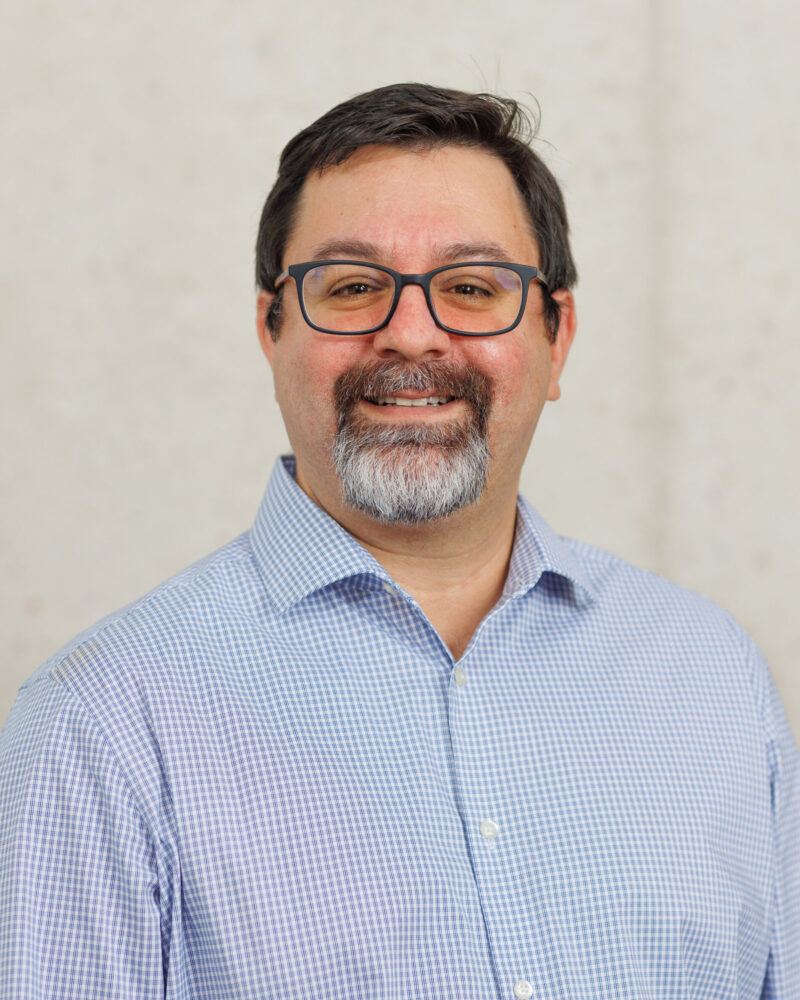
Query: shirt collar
{"type": "Point", "coordinates": [539, 551]}
{"type": "Point", "coordinates": [300, 549]}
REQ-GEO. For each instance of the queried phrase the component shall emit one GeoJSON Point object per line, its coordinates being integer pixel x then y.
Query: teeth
{"type": "Point", "coordinates": [404, 401]}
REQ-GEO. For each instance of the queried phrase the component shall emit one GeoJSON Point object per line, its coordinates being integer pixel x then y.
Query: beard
{"type": "Point", "coordinates": [415, 472]}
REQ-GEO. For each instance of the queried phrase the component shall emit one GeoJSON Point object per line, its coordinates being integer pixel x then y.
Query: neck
{"type": "Point", "coordinates": [454, 567]}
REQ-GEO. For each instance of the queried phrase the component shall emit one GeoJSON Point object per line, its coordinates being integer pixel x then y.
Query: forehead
{"type": "Point", "coordinates": [411, 206]}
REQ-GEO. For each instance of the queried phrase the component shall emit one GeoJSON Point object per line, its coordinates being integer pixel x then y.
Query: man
{"type": "Point", "coordinates": [400, 739]}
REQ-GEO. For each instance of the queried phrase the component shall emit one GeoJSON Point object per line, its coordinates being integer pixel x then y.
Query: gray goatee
{"type": "Point", "coordinates": [411, 473]}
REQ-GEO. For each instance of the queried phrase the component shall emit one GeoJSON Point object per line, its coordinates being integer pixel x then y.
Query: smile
{"type": "Point", "coordinates": [405, 401]}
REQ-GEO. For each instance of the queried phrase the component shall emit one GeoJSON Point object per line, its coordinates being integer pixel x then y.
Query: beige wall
{"type": "Point", "coordinates": [138, 142]}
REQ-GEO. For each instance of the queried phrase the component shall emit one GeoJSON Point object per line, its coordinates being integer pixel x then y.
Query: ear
{"type": "Point", "coordinates": [559, 349]}
{"type": "Point", "coordinates": [263, 303]}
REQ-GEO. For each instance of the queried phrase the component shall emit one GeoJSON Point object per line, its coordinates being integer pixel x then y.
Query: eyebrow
{"type": "Point", "coordinates": [472, 251]}
{"type": "Point", "coordinates": [445, 254]}
{"type": "Point", "coordinates": [353, 249]}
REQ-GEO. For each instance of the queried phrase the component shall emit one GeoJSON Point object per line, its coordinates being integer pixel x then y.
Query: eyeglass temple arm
{"type": "Point", "coordinates": [540, 276]}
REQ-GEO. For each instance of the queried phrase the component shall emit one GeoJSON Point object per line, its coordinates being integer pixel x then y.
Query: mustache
{"type": "Point", "coordinates": [434, 378]}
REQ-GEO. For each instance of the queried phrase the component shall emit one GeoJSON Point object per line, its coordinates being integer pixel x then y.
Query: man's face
{"type": "Point", "coordinates": [412, 211]}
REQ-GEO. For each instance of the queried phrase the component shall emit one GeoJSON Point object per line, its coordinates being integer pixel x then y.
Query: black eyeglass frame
{"type": "Point", "coordinates": [525, 271]}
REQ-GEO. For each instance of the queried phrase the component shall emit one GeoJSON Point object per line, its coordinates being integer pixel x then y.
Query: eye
{"type": "Point", "coordinates": [469, 290]}
{"type": "Point", "coordinates": [346, 282]}
{"type": "Point", "coordinates": [352, 288]}
{"type": "Point", "coordinates": [472, 287]}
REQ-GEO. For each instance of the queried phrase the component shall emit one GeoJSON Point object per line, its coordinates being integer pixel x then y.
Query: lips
{"type": "Point", "coordinates": [424, 383]}
{"type": "Point", "coordinates": [408, 401]}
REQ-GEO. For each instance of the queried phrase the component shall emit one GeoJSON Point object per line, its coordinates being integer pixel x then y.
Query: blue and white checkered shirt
{"type": "Point", "coordinates": [269, 779]}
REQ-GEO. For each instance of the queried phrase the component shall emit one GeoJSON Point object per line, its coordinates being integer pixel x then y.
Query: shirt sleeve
{"type": "Point", "coordinates": [80, 909]}
{"type": "Point", "coordinates": [782, 981]}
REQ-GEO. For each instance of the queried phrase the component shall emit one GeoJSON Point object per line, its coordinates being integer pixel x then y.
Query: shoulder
{"type": "Point", "coordinates": [671, 628]}
{"type": "Point", "coordinates": [640, 598]}
{"type": "Point", "coordinates": [121, 680]}
{"type": "Point", "coordinates": [175, 613]}
{"type": "Point", "coordinates": [621, 598]}
{"type": "Point", "coordinates": [225, 577]}
{"type": "Point", "coordinates": [640, 593]}
{"type": "Point", "coordinates": [702, 659]}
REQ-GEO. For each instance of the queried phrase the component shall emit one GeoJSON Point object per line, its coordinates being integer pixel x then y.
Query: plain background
{"type": "Point", "coordinates": [138, 143]}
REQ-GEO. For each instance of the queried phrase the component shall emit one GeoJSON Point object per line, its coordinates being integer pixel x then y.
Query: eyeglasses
{"type": "Point", "coordinates": [473, 299]}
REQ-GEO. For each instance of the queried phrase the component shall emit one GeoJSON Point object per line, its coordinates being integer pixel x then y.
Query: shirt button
{"type": "Point", "coordinates": [490, 829]}
{"type": "Point", "coordinates": [523, 989]}
{"type": "Point", "coordinates": [460, 676]}
{"type": "Point", "coordinates": [388, 587]}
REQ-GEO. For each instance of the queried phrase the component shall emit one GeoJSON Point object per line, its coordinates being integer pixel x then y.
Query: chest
{"type": "Point", "coordinates": [386, 821]}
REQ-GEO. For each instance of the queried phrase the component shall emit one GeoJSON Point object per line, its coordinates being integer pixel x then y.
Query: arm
{"type": "Point", "coordinates": [80, 904]}
{"type": "Point", "coordinates": [782, 981]}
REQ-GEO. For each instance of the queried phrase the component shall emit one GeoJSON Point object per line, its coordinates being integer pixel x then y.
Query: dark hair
{"type": "Point", "coordinates": [420, 116]}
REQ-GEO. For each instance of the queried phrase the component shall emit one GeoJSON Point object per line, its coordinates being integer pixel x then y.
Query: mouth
{"type": "Point", "coordinates": [431, 393]}
{"type": "Point", "coordinates": [409, 400]}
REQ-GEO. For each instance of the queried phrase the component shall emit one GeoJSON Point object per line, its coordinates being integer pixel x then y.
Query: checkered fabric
{"type": "Point", "coordinates": [269, 779]}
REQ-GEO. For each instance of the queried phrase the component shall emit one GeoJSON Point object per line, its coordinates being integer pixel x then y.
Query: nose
{"type": "Point", "coordinates": [411, 332]}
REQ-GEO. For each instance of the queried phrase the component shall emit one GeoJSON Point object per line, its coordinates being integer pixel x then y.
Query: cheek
{"type": "Point", "coordinates": [515, 370]}
{"type": "Point", "coordinates": [305, 374]}
{"type": "Point", "coordinates": [521, 379]}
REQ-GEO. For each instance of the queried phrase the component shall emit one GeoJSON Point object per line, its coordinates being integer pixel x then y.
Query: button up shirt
{"type": "Point", "coordinates": [269, 779]}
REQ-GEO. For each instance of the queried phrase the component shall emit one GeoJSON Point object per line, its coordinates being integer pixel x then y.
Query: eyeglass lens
{"type": "Point", "coordinates": [471, 298]}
